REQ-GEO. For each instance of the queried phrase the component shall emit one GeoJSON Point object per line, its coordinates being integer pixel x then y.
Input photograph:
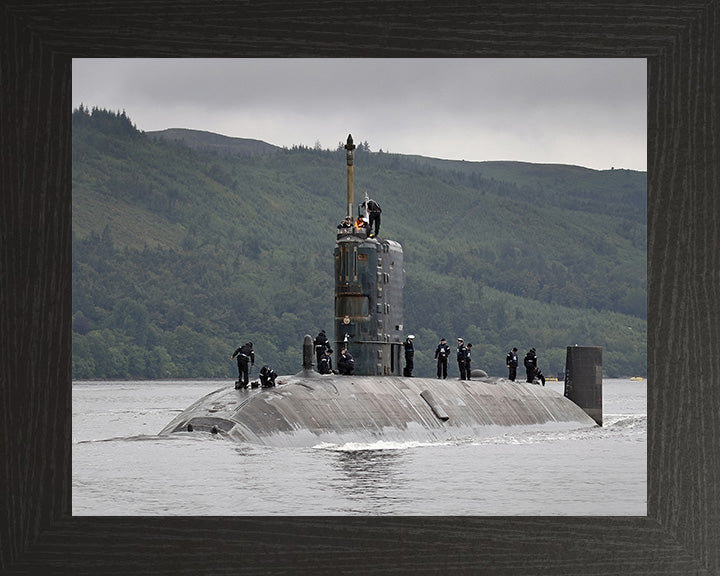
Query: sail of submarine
{"type": "Point", "coordinates": [377, 403]}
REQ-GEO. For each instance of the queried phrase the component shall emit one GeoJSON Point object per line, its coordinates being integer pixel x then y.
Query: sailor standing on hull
{"type": "Point", "coordinates": [409, 355]}
{"type": "Point", "coordinates": [245, 355]}
{"type": "Point", "coordinates": [462, 358]}
{"type": "Point", "coordinates": [530, 362]}
{"type": "Point", "coordinates": [321, 346]}
{"type": "Point", "coordinates": [441, 356]}
{"type": "Point", "coordinates": [511, 362]}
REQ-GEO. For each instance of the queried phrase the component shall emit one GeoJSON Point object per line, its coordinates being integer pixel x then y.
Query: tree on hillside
{"type": "Point", "coordinates": [180, 247]}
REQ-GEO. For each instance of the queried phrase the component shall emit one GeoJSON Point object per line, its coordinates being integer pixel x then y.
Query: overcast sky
{"type": "Point", "coordinates": [586, 112]}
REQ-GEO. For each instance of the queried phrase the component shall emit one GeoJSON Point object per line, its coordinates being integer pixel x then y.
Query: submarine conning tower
{"type": "Point", "coordinates": [369, 281]}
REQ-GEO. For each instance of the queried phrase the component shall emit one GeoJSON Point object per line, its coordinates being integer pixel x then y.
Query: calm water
{"type": "Point", "coordinates": [121, 467]}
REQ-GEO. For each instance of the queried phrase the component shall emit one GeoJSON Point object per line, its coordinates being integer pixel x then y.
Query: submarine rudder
{"type": "Point", "coordinates": [583, 379]}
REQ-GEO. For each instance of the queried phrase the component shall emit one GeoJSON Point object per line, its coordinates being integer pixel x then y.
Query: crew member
{"type": "Point", "coordinates": [360, 223]}
{"type": "Point", "coordinates": [409, 355]}
{"type": "Point", "coordinates": [530, 362]}
{"type": "Point", "coordinates": [462, 358]}
{"type": "Point", "coordinates": [321, 344]}
{"type": "Point", "coordinates": [534, 373]}
{"type": "Point", "coordinates": [346, 223]}
{"type": "Point", "coordinates": [267, 376]}
{"type": "Point", "coordinates": [374, 211]}
{"type": "Point", "coordinates": [441, 355]}
{"type": "Point", "coordinates": [325, 363]}
{"type": "Point", "coordinates": [511, 361]}
{"type": "Point", "coordinates": [346, 363]}
{"type": "Point", "coordinates": [245, 355]}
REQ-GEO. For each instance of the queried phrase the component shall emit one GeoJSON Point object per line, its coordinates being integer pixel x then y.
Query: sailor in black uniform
{"type": "Point", "coordinates": [530, 362]}
{"type": "Point", "coordinates": [267, 376]}
{"type": "Point", "coordinates": [511, 361]}
{"type": "Point", "coordinates": [321, 345]}
{"type": "Point", "coordinates": [441, 355]}
{"type": "Point", "coordinates": [462, 358]}
{"type": "Point", "coordinates": [245, 355]}
{"type": "Point", "coordinates": [346, 363]}
{"type": "Point", "coordinates": [409, 346]}
{"type": "Point", "coordinates": [374, 211]}
{"type": "Point", "coordinates": [325, 363]}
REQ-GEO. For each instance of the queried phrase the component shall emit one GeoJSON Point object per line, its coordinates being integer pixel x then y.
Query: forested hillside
{"type": "Point", "coordinates": [186, 245]}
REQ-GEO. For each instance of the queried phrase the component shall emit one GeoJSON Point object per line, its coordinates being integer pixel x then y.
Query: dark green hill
{"type": "Point", "coordinates": [186, 244]}
{"type": "Point", "coordinates": [209, 142]}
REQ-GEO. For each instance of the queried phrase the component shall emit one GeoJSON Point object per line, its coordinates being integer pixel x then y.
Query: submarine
{"type": "Point", "coordinates": [377, 403]}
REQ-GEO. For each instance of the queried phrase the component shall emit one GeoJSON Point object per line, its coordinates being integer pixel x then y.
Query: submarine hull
{"type": "Point", "coordinates": [309, 409]}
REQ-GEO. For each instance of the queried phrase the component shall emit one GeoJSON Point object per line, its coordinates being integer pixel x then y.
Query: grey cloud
{"type": "Point", "coordinates": [425, 103]}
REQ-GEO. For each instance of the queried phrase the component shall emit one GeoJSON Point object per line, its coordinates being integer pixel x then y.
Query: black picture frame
{"type": "Point", "coordinates": [681, 533]}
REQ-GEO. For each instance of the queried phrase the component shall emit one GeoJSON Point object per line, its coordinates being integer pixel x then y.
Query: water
{"type": "Point", "coordinates": [121, 467]}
